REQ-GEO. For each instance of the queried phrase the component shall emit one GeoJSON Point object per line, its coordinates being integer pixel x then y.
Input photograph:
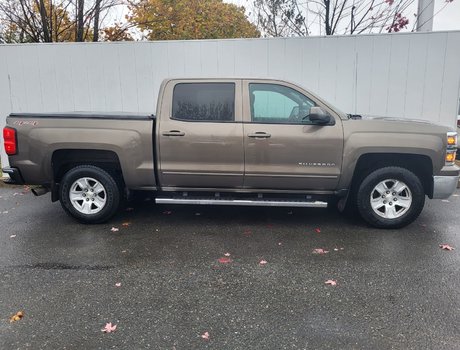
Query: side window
{"type": "Point", "coordinates": [207, 102]}
{"type": "Point", "coordinates": [278, 104]}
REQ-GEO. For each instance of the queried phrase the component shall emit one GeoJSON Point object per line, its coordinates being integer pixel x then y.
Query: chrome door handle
{"type": "Point", "coordinates": [259, 135]}
{"type": "Point", "coordinates": [173, 133]}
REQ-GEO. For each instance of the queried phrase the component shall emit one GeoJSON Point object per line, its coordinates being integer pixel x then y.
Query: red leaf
{"type": "Point", "coordinates": [317, 230]}
{"type": "Point", "coordinates": [225, 260]}
{"type": "Point", "coordinates": [331, 282]}
{"type": "Point", "coordinates": [109, 328]}
{"type": "Point", "coordinates": [125, 224]}
{"type": "Point", "coordinates": [446, 247]}
{"type": "Point", "coordinates": [205, 336]}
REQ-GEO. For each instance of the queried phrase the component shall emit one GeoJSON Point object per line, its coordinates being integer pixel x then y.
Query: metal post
{"type": "Point", "coordinates": [425, 15]}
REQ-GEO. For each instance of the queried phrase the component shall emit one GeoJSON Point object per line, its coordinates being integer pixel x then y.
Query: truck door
{"type": "Point", "coordinates": [200, 135]}
{"type": "Point", "coordinates": [283, 150]}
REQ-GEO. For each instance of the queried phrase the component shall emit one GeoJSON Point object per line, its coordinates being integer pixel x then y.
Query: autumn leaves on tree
{"type": "Point", "coordinates": [94, 20]}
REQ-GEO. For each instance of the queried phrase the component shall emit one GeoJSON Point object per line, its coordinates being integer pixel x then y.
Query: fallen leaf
{"type": "Point", "coordinates": [109, 328]}
{"type": "Point", "coordinates": [279, 243]}
{"type": "Point", "coordinates": [247, 232]}
{"type": "Point", "coordinates": [317, 230]}
{"type": "Point", "coordinates": [126, 224]}
{"type": "Point", "coordinates": [118, 284]}
{"type": "Point", "coordinates": [445, 201]}
{"type": "Point", "coordinates": [263, 262]}
{"type": "Point", "coordinates": [12, 236]}
{"type": "Point", "coordinates": [124, 251]}
{"type": "Point", "coordinates": [17, 316]}
{"type": "Point", "coordinates": [5, 212]}
{"type": "Point", "coordinates": [331, 282]}
{"type": "Point", "coordinates": [336, 249]}
{"type": "Point", "coordinates": [446, 247]}
{"type": "Point", "coordinates": [224, 260]}
{"type": "Point", "coordinates": [205, 336]}
{"type": "Point", "coordinates": [227, 254]}
{"type": "Point", "coordinates": [320, 251]}
{"type": "Point", "coordinates": [114, 229]}
{"type": "Point", "coordinates": [167, 212]}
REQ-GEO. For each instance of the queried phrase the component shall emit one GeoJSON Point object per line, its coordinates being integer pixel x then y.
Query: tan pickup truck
{"type": "Point", "coordinates": [234, 142]}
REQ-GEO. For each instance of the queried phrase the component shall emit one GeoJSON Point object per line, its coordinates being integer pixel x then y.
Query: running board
{"type": "Point", "coordinates": [242, 202]}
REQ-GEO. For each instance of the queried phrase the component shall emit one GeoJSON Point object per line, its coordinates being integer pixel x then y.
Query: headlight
{"type": "Point", "coordinates": [451, 147]}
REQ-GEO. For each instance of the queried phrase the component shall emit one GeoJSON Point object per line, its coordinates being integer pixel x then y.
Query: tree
{"type": "Point", "coordinates": [329, 17]}
{"type": "Point", "coordinates": [52, 20]}
{"type": "Point", "coordinates": [190, 19]}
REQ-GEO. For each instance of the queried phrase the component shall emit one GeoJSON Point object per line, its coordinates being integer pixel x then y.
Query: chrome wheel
{"type": "Point", "coordinates": [87, 195]}
{"type": "Point", "coordinates": [391, 199]}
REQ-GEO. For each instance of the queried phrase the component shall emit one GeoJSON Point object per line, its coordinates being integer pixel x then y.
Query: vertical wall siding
{"type": "Point", "coordinates": [401, 75]}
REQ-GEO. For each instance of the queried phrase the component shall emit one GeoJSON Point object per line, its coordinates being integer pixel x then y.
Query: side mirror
{"type": "Point", "coordinates": [318, 116]}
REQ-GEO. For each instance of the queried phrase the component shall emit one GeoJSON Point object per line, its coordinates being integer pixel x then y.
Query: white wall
{"type": "Point", "coordinates": [413, 75]}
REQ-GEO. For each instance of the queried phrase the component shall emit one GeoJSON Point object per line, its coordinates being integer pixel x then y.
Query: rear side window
{"type": "Point", "coordinates": [207, 102]}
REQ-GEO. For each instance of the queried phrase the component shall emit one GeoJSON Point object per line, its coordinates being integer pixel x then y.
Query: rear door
{"type": "Point", "coordinates": [283, 150]}
{"type": "Point", "coordinates": [200, 134]}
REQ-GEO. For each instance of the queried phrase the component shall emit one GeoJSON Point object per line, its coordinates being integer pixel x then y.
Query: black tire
{"type": "Point", "coordinates": [407, 215]}
{"type": "Point", "coordinates": [111, 194]}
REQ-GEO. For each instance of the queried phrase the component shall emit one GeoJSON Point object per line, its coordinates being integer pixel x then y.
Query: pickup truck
{"type": "Point", "coordinates": [248, 142]}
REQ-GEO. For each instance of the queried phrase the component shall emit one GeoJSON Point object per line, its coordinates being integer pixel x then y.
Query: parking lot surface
{"type": "Point", "coordinates": [183, 277]}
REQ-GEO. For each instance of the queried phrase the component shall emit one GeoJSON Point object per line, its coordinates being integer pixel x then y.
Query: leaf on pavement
{"type": "Point", "coordinates": [12, 236]}
{"type": "Point", "coordinates": [331, 282]}
{"type": "Point", "coordinates": [224, 260]}
{"type": "Point", "coordinates": [118, 284]}
{"type": "Point", "coordinates": [317, 230]}
{"type": "Point", "coordinates": [126, 224]}
{"type": "Point", "coordinates": [17, 316]}
{"type": "Point", "coordinates": [227, 254]}
{"type": "Point", "coordinates": [114, 229]}
{"type": "Point", "coordinates": [167, 212]}
{"type": "Point", "coordinates": [446, 247]}
{"type": "Point", "coordinates": [205, 336]}
{"type": "Point", "coordinates": [263, 262]}
{"type": "Point", "coordinates": [247, 232]}
{"type": "Point", "coordinates": [320, 251]}
{"type": "Point", "coordinates": [109, 328]}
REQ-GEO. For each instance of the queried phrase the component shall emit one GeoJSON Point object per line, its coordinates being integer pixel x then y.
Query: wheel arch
{"type": "Point", "coordinates": [63, 160]}
{"type": "Point", "coordinates": [421, 165]}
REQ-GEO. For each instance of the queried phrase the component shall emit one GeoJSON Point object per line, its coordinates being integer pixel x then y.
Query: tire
{"type": "Point", "coordinates": [89, 194]}
{"type": "Point", "coordinates": [377, 193]}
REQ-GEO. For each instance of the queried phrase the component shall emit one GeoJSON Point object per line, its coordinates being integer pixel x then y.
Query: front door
{"type": "Point", "coordinates": [201, 135]}
{"type": "Point", "coordinates": [283, 150]}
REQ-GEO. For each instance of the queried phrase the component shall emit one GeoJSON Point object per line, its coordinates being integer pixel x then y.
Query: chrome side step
{"type": "Point", "coordinates": [242, 202]}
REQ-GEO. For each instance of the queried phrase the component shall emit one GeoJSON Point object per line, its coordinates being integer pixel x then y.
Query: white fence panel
{"type": "Point", "coordinates": [413, 75]}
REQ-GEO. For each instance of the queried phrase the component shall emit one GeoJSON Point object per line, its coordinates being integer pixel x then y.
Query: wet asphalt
{"type": "Point", "coordinates": [395, 289]}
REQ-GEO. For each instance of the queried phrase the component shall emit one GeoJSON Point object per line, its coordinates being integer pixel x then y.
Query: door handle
{"type": "Point", "coordinates": [259, 135]}
{"type": "Point", "coordinates": [173, 133]}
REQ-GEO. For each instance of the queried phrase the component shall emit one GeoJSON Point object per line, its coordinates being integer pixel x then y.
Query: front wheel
{"type": "Point", "coordinates": [89, 194]}
{"type": "Point", "coordinates": [390, 197]}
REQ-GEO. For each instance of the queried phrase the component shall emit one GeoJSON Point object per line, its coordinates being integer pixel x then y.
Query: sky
{"type": "Point", "coordinates": [447, 19]}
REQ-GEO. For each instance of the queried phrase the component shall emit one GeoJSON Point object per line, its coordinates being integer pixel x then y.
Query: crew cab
{"type": "Point", "coordinates": [248, 142]}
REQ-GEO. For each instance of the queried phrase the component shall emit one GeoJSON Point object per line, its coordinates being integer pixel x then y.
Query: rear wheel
{"type": "Point", "coordinates": [390, 197]}
{"type": "Point", "coordinates": [89, 194]}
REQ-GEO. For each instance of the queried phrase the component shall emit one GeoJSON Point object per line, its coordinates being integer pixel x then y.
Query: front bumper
{"type": "Point", "coordinates": [444, 186]}
{"type": "Point", "coordinates": [15, 176]}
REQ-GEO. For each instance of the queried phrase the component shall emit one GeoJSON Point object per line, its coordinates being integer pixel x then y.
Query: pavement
{"type": "Point", "coordinates": [159, 279]}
